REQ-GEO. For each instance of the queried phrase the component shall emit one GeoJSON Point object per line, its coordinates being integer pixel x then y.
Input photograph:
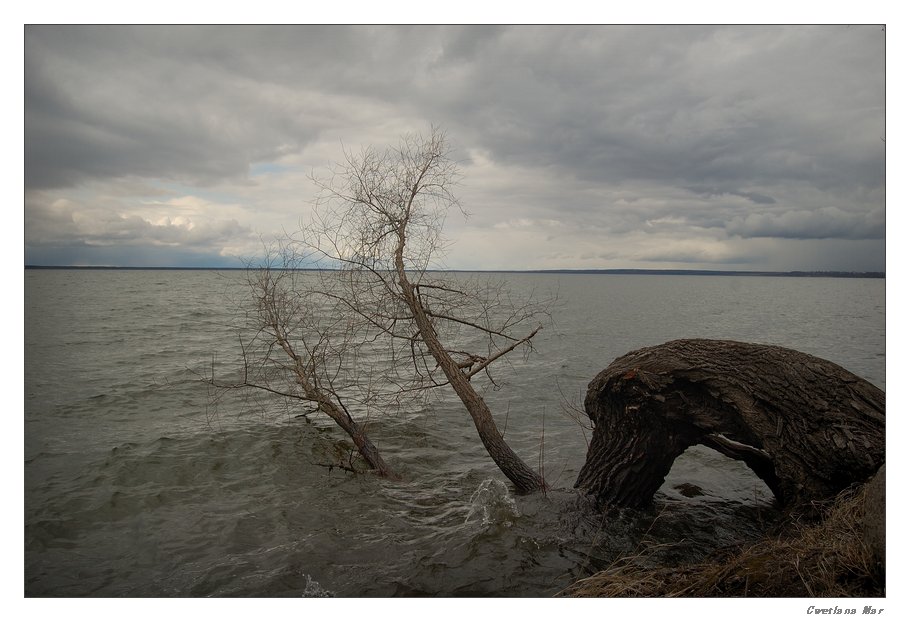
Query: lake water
{"type": "Point", "coordinates": [135, 485]}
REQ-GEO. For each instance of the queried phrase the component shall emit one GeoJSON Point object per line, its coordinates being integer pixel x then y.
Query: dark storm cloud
{"type": "Point", "coordinates": [712, 105]}
{"type": "Point", "coordinates": [739, 132]}
{"type": "Point", "coordinates": [108, 102]}
{"type": "Point", "coordinates": [805, 224]}
{"type": "Point", "coordinates": [201, 104]}
{"type": "Point", "coordinates": [668, 103]}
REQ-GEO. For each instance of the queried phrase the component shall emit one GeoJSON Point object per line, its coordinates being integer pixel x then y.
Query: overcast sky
{"type": "Point", "coordinates": [740, 148]}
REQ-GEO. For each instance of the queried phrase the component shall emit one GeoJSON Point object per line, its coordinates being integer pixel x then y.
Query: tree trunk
{"type": "Point", "coordinates": [523, 477]}
{"type": "Point", "coordinates": [807, 427]}
{"type": "Point", "coordinates": [364, 445]}
{"type": "Point", "coordinates": [328, 406]}
{"type": "Point", "coordinates": [514, 468]}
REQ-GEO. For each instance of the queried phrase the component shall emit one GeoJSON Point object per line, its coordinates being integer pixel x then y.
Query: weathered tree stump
{"type": "Point", "coordinates": [807, 427]}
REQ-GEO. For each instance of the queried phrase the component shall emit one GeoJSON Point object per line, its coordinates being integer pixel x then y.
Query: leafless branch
{"type": "Point", "coordinates": [345, 314]}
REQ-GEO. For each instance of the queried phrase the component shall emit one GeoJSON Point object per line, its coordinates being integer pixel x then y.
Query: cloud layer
{"type": "Point", "coordinates": [581, 147]}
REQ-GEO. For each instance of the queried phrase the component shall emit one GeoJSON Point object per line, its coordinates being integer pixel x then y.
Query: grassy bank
{"type": "Point", "coordinates": [827, 554]}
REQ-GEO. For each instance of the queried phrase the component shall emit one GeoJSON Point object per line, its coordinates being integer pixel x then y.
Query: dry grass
{"type": "Point", "coordinates": [808, 558]}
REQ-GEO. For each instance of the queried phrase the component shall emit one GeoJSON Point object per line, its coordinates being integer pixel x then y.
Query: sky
{"type": "Point", "coordinates": [580, 147]}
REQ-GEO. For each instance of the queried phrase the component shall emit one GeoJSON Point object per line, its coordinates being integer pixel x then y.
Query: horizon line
{"type": "Point", "coordinates": [615, 271]}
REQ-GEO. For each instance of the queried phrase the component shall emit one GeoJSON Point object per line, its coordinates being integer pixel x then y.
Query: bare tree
{"type": "Point", "coordinates": [301, 348]}
{"type": "Point", "coordinates": [373, 326]}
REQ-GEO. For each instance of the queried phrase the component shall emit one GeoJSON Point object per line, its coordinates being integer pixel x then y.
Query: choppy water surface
{"type": "Point", "coordinates": [136, 486]}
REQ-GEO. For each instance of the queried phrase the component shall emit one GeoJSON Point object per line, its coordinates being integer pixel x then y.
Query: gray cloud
{"type": "Point", "coordinates": [828, 222]}
{"type": "Point", "coordinates": [112, 102]}
{"type": "Point", "coordinates": [755, 197]}
{"type": "Point", "coordinates": [109, 228]}
{"type": "Point", "coordinates": [701, 133]}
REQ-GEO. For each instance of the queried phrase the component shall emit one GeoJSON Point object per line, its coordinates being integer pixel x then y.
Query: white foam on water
{"type": "Point", "coordinates": [492, 504]}
{"type": "Point", "coordinates": [314, 590]}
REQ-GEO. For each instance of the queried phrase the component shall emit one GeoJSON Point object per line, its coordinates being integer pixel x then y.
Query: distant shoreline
{"type": "Point", "coordinates": [619, 271]}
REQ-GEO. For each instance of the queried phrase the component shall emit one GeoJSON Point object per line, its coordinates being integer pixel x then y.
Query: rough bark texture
{"type": "Point", "coordinates": [804, 425]}
{"type": "Point", "coordinates": [364, 445]}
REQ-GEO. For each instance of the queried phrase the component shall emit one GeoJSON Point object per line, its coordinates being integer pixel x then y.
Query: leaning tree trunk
{"type": "Point", "coordinates": [807, 427]}
{"type": "Point", "coordinates": [523, 477]}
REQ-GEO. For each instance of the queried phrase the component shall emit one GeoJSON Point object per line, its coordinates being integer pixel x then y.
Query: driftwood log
{"type": "Point", "coordinates": [807, 427]}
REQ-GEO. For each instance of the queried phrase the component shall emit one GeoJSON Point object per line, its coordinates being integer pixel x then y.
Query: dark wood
{"type": "Point", "coordinates": [807, 427]}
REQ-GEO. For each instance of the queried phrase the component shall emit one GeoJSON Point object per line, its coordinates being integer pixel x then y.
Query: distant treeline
{"type": "Point", "coordinates": [796, 273]}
